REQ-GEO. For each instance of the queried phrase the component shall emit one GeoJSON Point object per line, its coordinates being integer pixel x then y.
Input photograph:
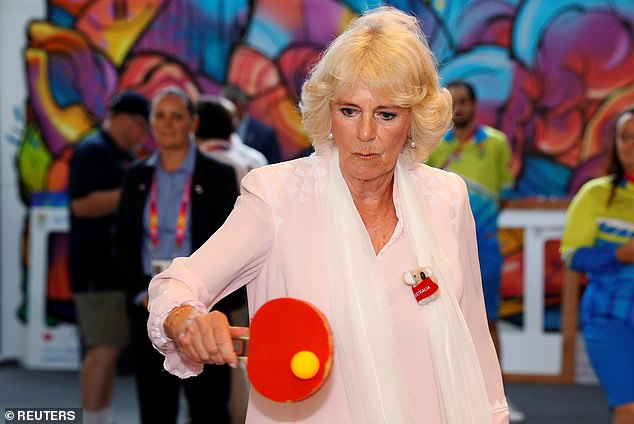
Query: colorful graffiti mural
{"type": "Point", "coordinates": [549, 74]}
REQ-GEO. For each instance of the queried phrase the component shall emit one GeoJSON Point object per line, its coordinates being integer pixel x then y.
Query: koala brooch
{"type": "Point", "coordinates": [424, 288]}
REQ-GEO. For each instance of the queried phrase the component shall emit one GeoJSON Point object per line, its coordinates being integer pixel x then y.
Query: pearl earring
{"type": "Point", "coordinates": [331, 136]}
{"type": "Point", "coordinates": [412, 143]}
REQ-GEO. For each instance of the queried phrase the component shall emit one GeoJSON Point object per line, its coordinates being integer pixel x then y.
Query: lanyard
{"type": "Point", "coordinates": [181, 219]}
{"type": "Point", "coordinates": [457, 152]}
{"type": "Point", "coordinates": [455, 155]}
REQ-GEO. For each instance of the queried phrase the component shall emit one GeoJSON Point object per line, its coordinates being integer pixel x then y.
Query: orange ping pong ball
{"type": "Point", "coordinates": [304, 365]}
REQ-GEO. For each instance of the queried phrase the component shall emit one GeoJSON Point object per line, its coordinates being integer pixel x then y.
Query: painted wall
{"type": "Point", "coordinates": [14, 18]}
{"type": "Point", "coordinates": [550, 74]}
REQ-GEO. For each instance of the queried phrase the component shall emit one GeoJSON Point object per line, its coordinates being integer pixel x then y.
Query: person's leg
{"type": "Point", "coordinates": [97, 377]}
{"type": "Point", "coordinates": [491, 268]}
{"type": "Point", "coordinates": [208, 395]}
{"type": "Point", "coordinates": [491, 271]}
{"type": "Point", "coordinates": [610, 347]}
{"type": "Point", "coordinates": [103, 323]}
{"type": "Point", "coordinates": [157, 390]}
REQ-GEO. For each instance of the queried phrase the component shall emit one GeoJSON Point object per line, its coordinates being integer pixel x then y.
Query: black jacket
{"type": "Point", "coordinates": [213, 195]}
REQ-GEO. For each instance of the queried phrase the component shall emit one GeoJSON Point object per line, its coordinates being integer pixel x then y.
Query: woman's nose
{"type": "Point", "coordinates": [168, 122]}
{"type": "Point", "coordinates": [367, 129]}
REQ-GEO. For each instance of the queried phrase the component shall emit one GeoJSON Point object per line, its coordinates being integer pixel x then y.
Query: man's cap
{"type": "Point", "coordinates": [130, 102]}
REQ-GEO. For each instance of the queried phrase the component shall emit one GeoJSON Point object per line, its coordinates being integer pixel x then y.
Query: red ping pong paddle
{"type": "Point", "coordinates": [279, 330]}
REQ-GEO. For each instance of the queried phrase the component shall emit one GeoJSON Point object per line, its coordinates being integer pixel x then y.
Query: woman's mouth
{"type": "Point", "coordinates": [366, 156]}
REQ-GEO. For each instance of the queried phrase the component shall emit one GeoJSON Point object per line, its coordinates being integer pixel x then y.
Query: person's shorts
{"type": "Point", "coordinates": [102, 318]}
{"type": "Point", "coordinates": [610, 347]}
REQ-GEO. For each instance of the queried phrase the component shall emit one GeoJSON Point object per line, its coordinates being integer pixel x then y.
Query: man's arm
{"type": "Point", "coordinates": [88, 188]}
{"type": "Point", "coordinates": [96, 204]}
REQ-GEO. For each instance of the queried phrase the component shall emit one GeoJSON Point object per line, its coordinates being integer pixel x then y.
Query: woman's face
{"type": "Point", "coordinates": [171, 122]}
{"type": "Point", "coordinates": [369, 132]}
{"type": "Point", "coordinates": [625, 142]}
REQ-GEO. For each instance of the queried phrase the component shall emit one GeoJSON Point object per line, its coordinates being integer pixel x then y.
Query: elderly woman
{"type": "Point", "coordinates": [339, 229]}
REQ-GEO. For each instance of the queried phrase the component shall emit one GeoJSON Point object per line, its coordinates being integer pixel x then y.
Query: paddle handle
{"type": "Point", "coordinates": [240, 345]}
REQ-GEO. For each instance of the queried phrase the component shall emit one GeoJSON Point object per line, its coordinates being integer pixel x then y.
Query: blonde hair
{"type": "Point", "coordinates": [387, 50]}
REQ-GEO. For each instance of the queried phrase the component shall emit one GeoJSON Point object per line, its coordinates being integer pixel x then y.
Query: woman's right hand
{"type": "Point", "coordinates": [203, 338]}
{"type": "Point", "coordinates": [625, 253]}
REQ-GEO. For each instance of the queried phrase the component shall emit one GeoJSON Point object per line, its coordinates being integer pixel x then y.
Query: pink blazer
{"type": "Point", "coordinates": [273, 243]}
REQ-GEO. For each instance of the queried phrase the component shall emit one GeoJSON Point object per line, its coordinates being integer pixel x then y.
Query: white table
{"type": "Point", "coordinates": [46, 347]}
{"type": "Point", "coordinates": [530, 350]}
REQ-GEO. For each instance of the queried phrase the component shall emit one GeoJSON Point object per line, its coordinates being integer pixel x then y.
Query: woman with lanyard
{"type": "Point", "coordinates": [171, 203]}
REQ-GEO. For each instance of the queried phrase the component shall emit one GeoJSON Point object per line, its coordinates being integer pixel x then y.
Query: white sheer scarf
{"type": "Point", "coordinates": [363, 328]}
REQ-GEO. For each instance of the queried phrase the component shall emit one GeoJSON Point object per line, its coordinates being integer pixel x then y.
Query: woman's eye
{"type": "Point", "coordinates": [386, 116]}
{"type": "Point", "coordinates": [347, 111]}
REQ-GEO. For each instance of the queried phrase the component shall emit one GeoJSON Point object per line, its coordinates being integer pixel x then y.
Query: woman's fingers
{"type": "Point", "coordinates": [189, 342]}
{"type": "Point", "coordinates": [203, 340]}
{"type": "Point", "coordinates": [222, 335]}
{"type": "Point", "coordinates": [208, 338]}
{"type": "Point", "coordinates": [238, 331]}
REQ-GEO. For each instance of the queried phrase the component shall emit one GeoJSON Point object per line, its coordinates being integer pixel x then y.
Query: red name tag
{"type": "Point", "coordinates": [424, 290]}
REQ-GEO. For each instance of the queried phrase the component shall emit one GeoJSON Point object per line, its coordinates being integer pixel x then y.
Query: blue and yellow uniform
{"type": "Point", "coordinates": [593, 232]}
{"type": "Point", "coordinates": [484, 162]}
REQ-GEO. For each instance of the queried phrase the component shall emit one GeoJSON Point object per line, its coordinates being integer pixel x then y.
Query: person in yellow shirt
{"type": "Point", "coordinates": [482, 157]}
{"type": "Point", "coordinates": [598, 240]}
